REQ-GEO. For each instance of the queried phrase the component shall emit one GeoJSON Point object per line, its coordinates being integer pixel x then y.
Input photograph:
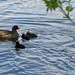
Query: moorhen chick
{"type": "Point", "coordinates": [32, 35]}
{"type": "Point", "coordinates": [19, 45]}
{"type": "Point", "coordinates": [10, 34]}
{"type": "Point", "coordinates": [26, 37]}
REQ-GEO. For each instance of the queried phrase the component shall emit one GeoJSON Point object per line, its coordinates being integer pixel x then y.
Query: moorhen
{"type": "Point", "coordinates": [32, 35]}
{"type": "Point", "coordinates": [26, 37]}
{"type": "Point", "coordinates": [19, 45]}
{"type": "Point", "coordinates": [10, 34]}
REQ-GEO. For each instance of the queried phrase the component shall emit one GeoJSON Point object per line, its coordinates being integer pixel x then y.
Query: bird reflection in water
{"type": "Point", "coordinates": [8, 40]}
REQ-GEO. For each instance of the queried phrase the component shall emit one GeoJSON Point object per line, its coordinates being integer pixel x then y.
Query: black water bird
{"type": "Point", "coordinates": [10, 34]}
{"type": "Point", "coordinates": [17, 45]}
{"type": "Point", "coordinates": [32, 35]}
{"type": "Point", "coordinates": [26, 37]}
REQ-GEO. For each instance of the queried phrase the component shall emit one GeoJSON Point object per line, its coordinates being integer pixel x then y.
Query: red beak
{"type": "Point", "coordinates": [19, 28]}
{"type": "Point", "coordinates": [27, 31]}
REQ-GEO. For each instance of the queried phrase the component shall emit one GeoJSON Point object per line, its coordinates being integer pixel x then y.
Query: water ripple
{"type": "Point", "coordinates": [51, 53]}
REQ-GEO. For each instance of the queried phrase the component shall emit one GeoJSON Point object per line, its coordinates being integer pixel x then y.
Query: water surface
{"type": "Point", "coordinates": [51, 53]}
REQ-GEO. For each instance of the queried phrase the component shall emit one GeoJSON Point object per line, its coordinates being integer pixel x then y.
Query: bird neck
{"type": "Point", "coordinates": [13, 30]}
{"type": "Point", "coordinates": [28, 32]}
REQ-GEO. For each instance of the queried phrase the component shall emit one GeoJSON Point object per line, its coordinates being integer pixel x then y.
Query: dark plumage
{"type": "Point", "coordinates": [10, 34]}
{"type": "Point", "coordinates": [19, 45]}
{"type": "Point", "coordinates": [26, 37]}
{"type": "Point", "coordinates": [32, 35]}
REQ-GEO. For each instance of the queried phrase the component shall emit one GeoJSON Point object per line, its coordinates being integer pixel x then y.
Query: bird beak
{"type": "Point", "coordinates": [19, 28]}
{"type": "Point", "coordinates": [27, 31]}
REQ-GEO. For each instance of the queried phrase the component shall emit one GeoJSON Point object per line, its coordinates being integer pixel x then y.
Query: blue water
{"type": "Point", "coordinates": [52, 53]}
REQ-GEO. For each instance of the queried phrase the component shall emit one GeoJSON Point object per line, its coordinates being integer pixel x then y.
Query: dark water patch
{"type": "Point", "coordinates": [72, 60]}
{"type": "Point", "coordinates": [33, 65]}
{"type": "Point", "coordinates": [59, 67]}
{"type": "Point", "coordinates": [38, 59]}
{"type": "Point", "coordinates": [8, 12]}
{"type": "Point", "coordinates": [14, 71]}
{"type": "Point", "coordinates": [65, 64]}
{"type": "Point", "coordinates": [8, 40]}
{"type": "Point", "coordinates": [4, 13]}
{"type": "Point", "coordinates": [18, 3]}
{"type": "Point", "coordinates": [1, 27]}
{"type": "Point", "coordinates": [3, 0]}
{"type": "Point", "coordinates": [28, 13]}
{"type": "Point", "coordinates": [73, 45]}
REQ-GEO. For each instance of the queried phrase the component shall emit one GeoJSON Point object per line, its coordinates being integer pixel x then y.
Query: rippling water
{"type": "Point", "coordinates": [52, 53]}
